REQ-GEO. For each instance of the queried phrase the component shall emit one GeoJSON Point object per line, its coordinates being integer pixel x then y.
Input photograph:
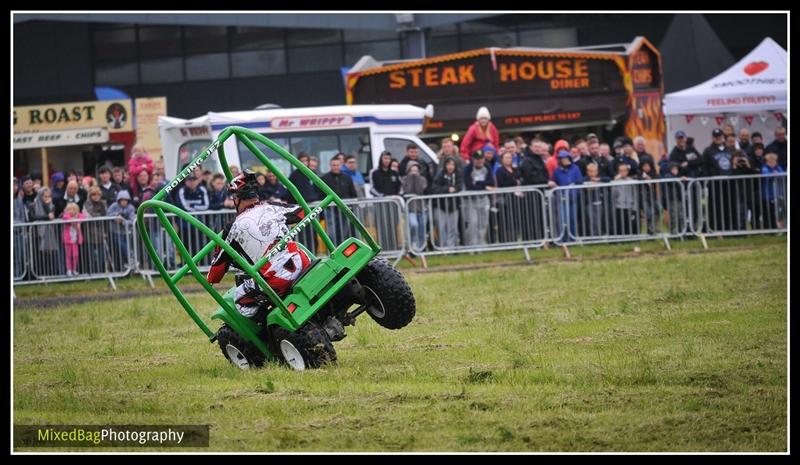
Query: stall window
{"type": "Point", "coordinates": [323, 147]}
{"type": "Point", "coordinates": [358, 144]}
{"type": "Point", "coordinates": [398, 149]}
{"type": "Point", "coordinates": [189, 150]}
{"type": "Point", "coordinates": [249, 161]}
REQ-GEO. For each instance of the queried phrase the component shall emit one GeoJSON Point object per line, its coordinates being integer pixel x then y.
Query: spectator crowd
{"type": "Point", "coordinates": [483, 162]}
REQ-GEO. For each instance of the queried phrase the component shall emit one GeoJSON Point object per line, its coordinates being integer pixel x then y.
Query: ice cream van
{"type": "Point", "coordinates": [362, 130]}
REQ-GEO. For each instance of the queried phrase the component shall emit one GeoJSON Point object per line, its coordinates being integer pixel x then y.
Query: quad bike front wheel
{"type": "Point", "coordinates": [308, 347]}
{"type": "Point", "coordinates": [238, 351]}
{"type": "Point", "coordinates": [390, 301]}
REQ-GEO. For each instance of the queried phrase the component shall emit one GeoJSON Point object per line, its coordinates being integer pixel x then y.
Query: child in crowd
{"type": "Point", "coordinates": [72, 237]}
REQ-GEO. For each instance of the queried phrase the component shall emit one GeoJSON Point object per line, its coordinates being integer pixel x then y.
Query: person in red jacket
{"type": "Point", "coordinates": [481, 132]}
{"type": "Point", "coordinates": [552, 163]}
{"type": "Point", "coordinates": [139, 161]}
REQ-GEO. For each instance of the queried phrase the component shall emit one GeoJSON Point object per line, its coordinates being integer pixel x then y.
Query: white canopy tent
{"type": "Point", "coordinates": [752, 93]}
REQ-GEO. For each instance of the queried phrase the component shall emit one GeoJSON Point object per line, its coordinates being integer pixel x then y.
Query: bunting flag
{"type": "Point", "coordinates": [749, 119]}
{"type": "Point", "coordinates": [704, 120]}
{"type": "Point", "coordinates": [689, 118]}
{"type": "Point", "coordinates": [779, 116]}
{"type": "Point", "coordinates": [763, 117]}
{"type": "Point", "coordinates": [734, 120]}
{"type": "Point", "coordinates": [719, 119]}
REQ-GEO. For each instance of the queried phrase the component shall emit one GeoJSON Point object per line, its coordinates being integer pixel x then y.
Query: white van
{"type": "Point", "coordinates": [361, 130]}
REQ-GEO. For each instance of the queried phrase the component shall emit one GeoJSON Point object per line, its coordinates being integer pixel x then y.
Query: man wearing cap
{"type": "Point", "coordinates": [192, 196]}
{"type": "Point", "coordinates": [481, 132]}
{"type": "Point", "coordinates": [617, 147]}
{"type": "Point", "coordinates": [626, 157]}
{"type": "Point", "coordinates": [716, 154]}
{"type": "Point", "coordinates": [689, 161]}
{"type": "Point", "coordinates": [477, 177]}
{"type": "Point", "coordinates": [717, 162]}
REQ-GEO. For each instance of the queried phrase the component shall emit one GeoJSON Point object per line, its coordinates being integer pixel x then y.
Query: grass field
{"type": "Point", "coordinates": [659, 352]}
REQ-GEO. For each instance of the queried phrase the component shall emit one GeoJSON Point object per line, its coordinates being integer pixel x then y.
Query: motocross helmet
{"type": "Point", "coordinates": [244, 186]}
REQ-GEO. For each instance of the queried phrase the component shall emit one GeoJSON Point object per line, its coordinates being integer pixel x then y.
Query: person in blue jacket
{"type": "Point", "coordinates": [566, 174]}
{"type": "Point", "coordinates": [773, 190]}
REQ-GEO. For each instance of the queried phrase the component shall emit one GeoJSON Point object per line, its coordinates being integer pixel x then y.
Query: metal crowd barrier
{"type": "Point", "coordinates": [469, 221]}
{"type": "Point", "coordinates": [20, 252]}
{"type": "Point", "coordinates": [106, 251]}
{"type": "Point", "coordinates": [618, 211]}
{"type": "Point", "coordinates": [475, 221]}
{"type": "Point", "coordinates": [191, 237]}
{"type": "Point", "coordinates": [381, 216]}
{"type": "Point", "coordinates": [378, 216]}
{"type": "Point", "coordinates": [738, 205]}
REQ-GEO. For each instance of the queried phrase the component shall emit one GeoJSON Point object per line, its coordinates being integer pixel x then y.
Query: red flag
{"type": "Point", "coordinates": [689, 118]}
{"type": "Point", "coordinates": [719, 119]}
{"type": "Point", "coordinates": [749, 119]}
{"type": "Point", "coordinates": [778, 116]}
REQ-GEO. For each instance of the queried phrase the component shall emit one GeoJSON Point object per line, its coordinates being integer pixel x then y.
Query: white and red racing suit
{"type": "Point", "coordinates": [251, 234]}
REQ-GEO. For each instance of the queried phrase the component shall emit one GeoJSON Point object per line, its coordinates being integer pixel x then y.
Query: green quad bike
{"type": "Point", "coordinates": [286, 329]}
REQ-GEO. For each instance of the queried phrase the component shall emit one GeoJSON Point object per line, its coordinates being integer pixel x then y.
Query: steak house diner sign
{"type": "Point", "coordinates": [486, 74]}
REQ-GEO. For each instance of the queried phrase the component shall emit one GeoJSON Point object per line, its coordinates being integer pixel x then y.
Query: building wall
{"type": "Point", "coordinates": [57, 61]}
{"type": "Point", "coordinates": [52, 63]}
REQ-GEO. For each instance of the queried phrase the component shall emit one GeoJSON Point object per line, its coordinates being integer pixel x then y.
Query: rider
{"type": "Point", "coordinates": [257, 227]}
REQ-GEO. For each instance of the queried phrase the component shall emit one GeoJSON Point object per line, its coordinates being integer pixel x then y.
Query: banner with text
{"type": "Point", "coordinates": [147, 112]}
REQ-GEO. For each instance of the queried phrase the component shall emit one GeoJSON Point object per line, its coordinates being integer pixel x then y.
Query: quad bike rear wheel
{"type": "Point", "coordinates": [390, 301]}
{"type": "Point", "coordinates": [308, 347]}
{"type": "Point", "coordinates": [238, 351]}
